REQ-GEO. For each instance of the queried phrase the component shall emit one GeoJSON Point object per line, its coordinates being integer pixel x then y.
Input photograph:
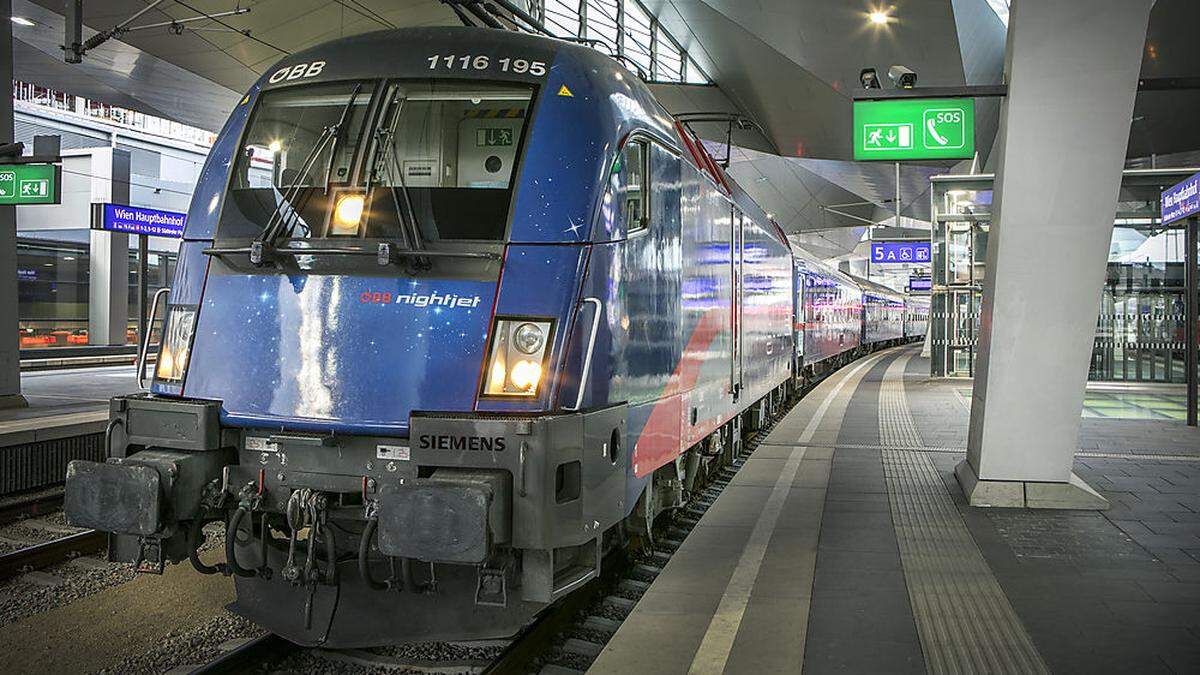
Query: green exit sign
{"type": "Point", "coordinates": [25, 184]}
{"type": "Point", "coordinates": [925, 128]}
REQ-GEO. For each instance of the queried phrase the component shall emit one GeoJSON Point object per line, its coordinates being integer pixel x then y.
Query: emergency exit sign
{"type": "Point", "coordinates": [25, 184]}
{"type": "Point", "coordinates": [926, 128]}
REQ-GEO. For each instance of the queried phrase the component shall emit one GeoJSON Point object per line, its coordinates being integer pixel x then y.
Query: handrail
{"type": "Point", "coordinates": [587, 359]}
{"type": "Point", "coordinates": [141, 376]}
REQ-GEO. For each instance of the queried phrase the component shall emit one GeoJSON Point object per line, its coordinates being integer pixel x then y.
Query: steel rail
{"type": "Point", "coordinates": [245, 657]}
{"type": "Point", "coordinates": [51, 552]}
{"type": "Point", "coordinates": [34, 506]}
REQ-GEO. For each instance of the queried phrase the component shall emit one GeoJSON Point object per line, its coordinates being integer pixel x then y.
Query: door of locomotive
{"type": "Point", "coordinates": [736, 262]}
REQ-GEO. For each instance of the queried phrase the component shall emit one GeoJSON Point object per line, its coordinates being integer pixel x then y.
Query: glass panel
{"type": "Point", "coordinates": [442, 157]}
{"type": "Point", "coordinates": [288, 125]}
{"type": "Point", "coordinates": [448, 157]}
{"type": "Point", "coordinates": [630, 180]}
{"type": "Point", "coordinates": [693, 74]}
{"type": "Point", "coordinates": [668, 59]}
{"type": "Point", "coordinates": [52, 293]}
{"type": "Point", "coordinates": [637, 36]}
{"type": "Point", "coordinates": [562, 17]}
{"type": "Point", "coordinates": [602, 21]}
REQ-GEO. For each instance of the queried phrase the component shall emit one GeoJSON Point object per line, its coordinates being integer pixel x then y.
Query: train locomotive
{"type": "Point", "coordinates": [457, 311]}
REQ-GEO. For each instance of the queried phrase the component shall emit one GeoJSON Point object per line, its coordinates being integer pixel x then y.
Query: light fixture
{"type": "Point", "coordinates": [22, 21]}
{"type": "Point", "coordinates": [869, 78]}
{"type": "Point", "coordinates": [347, 215]}
{"type": "Point", "coordinates": [879, 17]}
{"type": "Point", "coordinates": [275, 147]}
{"type": "Point", "coordinates": [514, 364]}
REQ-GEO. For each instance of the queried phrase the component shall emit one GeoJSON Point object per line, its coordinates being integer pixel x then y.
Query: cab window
{"type": "Point", "coordinates": [630, 185]}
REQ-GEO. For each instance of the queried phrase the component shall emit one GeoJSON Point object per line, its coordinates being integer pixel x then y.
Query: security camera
{"type": "Point", "coordinates": [869, 79]}
{"type": "Point", "coordinates": [902, 77]}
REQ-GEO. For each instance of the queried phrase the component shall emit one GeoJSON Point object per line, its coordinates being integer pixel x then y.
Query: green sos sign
{"type": "Point", "coordinates": [928, 128]}
{"type": "Point", "coordinates": [25, 184]}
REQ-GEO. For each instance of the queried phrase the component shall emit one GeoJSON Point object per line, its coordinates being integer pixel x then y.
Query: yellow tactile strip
{"type": "Point", "coordinates": [964, 620]}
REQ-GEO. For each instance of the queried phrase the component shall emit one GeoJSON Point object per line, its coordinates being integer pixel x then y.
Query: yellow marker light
{"type": "Point", "coordinates": [347, 215]}
{"type": "Point", "coordinates": [166, 364]}
{"type": "Point", "coordinates": [496, 381]}
{"type": "Point", "coordinates": [526, 375]}
{"type": "Point", "coordinates": [275, 147]}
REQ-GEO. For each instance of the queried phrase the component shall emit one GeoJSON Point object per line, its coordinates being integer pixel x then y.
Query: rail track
{"type": "Point", "coordinates": [34, 505]}
{"type": "Point", "coordinates": [51, 552]}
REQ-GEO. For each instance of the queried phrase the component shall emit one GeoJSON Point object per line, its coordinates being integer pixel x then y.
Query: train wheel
{"type": "Point", "coordinates": [641, 527]}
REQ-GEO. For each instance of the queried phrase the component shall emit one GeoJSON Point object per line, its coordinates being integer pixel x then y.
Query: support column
{"type": "Point", "coordinates": [10, 353]}
{"type": "Point", "coordinates": [108, 292]}
{"type": "Point", "coordinates": [1072, 68]}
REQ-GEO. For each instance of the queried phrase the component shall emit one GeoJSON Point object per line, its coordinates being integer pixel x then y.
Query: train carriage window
{"type": "Point", "coordinates": [631, 184]}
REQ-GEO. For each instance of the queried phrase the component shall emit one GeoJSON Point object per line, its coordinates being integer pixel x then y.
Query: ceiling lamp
{"type": "Point", "coordinates": [879, 17]}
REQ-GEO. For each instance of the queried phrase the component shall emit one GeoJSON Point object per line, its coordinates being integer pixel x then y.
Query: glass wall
{"type": "Point", "coordinates": [52, 291]}
{"type": "Point", "coordinates": [1141, 328]}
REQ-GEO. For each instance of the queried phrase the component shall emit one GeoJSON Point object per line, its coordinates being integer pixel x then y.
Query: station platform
{"type": "Point", "coordinates": [844, 544]}
{"type": "Point", "coordinates": [65, 420]}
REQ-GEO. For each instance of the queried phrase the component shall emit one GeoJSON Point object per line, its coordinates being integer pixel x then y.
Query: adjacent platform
{"type": "Point", "coordinates": [844, 544]}
{"type": "Point", "coordinates": [65, 420]}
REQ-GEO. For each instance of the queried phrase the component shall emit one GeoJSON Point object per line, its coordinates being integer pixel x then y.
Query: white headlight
{"type": "Point", "coordinates": [515, 358]}
{"type": "Point", "coordinates": [528, 338]}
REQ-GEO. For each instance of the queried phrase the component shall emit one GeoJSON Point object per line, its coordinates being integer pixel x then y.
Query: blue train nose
{"type": "Point", "coordinates": [350, 353]}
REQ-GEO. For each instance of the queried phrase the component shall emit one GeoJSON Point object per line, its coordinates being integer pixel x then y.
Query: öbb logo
{"type": "Point", "coordinates": [375, 297]}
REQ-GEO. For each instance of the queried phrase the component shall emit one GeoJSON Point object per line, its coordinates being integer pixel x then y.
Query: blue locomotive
{"type": "Point", "coordinates": [457, 311]}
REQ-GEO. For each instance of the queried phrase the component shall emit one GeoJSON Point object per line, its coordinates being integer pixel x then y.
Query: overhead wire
{"type": "Point", "coordinates": [364, 11]}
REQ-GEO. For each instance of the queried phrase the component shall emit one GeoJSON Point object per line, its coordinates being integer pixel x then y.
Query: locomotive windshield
{"type": "Point", "coordinates": [427, 160]}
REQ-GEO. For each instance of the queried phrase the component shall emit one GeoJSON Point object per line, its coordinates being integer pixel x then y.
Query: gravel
{"type": "Point", "coordinates": [21, 597]}
{"type": "Point", "coordinates": [195, 646]}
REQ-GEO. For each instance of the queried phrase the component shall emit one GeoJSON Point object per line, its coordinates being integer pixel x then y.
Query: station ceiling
{"type": "Point", "coordinates": [789, 65]}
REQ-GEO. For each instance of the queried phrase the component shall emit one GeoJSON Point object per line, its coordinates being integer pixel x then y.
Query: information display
{"type": "Point", "coordinates": [1182, 200]}
{"type": "Point", "coordinates": [900, 252]}
{"type": "Point", "coordinates": [30, 184]}
{"type": "Point", "coordinates": [138, 220]}
{"type": "Point", "coordinates": [920, 284]}
{"type": "Point", "coordinates": [927, 128]}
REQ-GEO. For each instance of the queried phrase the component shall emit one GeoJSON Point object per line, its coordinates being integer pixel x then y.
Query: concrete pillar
{"type": "Point", "coordinates": [108, 293]}
{"type": "Point", "coordinates": [1072, 68]}
{"type": "Point", "coordinates": [10, 354]}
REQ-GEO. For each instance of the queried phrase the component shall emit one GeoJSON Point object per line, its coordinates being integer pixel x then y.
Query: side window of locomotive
{"type": "Point", "coordinates": [631, 185]}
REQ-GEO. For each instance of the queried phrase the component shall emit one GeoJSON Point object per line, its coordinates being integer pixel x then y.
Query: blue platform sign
{"type": "Point", "coordinates": [138, 220]}
{"type": "Point", "coordinates": [900, 252]}
{"type": "Point", "coordinates": [1181, 201]}
{"type": "Point", "coordinates": [920, 284]}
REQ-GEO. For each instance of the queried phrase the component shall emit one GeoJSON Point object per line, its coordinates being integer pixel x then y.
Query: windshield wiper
{"type": "Point", "coordinates": [277, 222]}
{"type": "Point", "coordinates": [408, 216]}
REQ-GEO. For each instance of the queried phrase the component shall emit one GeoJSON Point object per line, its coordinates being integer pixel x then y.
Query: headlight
{"type": "Point", "coordinates": [347, 215]}
{"type": "Point", "coordinates": [176, 344]}
{"type": "Point", "coordinates": [529, 338]}
{"type": "Point", "coordinates": [515, 357]}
